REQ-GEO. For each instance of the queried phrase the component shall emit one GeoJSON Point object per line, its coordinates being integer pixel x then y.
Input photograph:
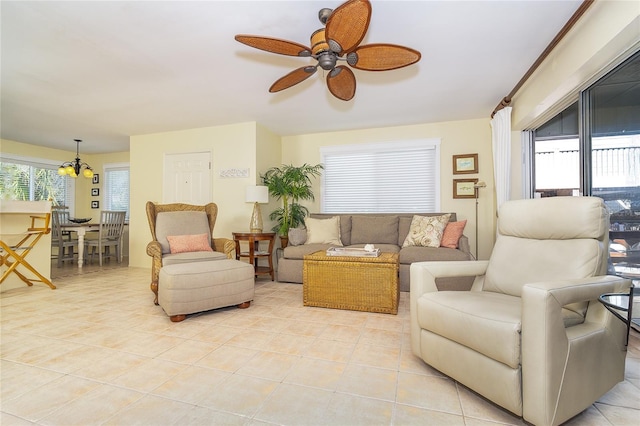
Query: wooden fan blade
{"type": "Point", "coordinates": [342, 83]}
{"type": "Point", "coordinates": [347, 25]}
{"type": "Point", "coordinates": [274, 45]}
{"type": "Point", "coordinates": [382, 57]}
{"type": "Point", "coordinates": [293, 78]}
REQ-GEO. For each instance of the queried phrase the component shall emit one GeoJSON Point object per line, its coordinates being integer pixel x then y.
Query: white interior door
{"type": "Point", "coordinates": [187, 178]}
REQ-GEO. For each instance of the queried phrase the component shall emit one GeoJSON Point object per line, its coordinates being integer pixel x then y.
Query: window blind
{"type": "Point", "coordinates": [35, 179]}
{"type": "Point", "coordinates": [116, 187]}
{"type": "Point", "coordinates": [394, 177]}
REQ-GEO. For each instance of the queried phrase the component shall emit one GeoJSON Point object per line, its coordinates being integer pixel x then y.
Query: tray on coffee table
{"type": "Point", "coordinates": [352, 252]}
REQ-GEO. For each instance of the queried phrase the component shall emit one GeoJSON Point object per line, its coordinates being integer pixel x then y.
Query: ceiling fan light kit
{"type": "Point", "coordinates": [339, 40]}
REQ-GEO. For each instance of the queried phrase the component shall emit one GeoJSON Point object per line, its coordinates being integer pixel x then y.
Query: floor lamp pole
{"type": "Point", "coordinates": [476, 253]}
{"type": "Point", "coordinates": [476, 187]}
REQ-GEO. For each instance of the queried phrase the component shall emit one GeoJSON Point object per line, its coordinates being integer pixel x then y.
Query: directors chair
{"type": "Point", "coordinates": [14, 255]}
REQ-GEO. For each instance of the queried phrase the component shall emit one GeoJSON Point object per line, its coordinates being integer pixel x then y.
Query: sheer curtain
{"type": "Point", "coordinates": [501, 140]}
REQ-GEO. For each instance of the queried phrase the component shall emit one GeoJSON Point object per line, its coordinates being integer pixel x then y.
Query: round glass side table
{"type": "Point", "coordinates": [620, 303]}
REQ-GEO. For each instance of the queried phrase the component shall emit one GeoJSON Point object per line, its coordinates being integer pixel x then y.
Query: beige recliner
{"type": "Point", "coordinates": [531, 335]}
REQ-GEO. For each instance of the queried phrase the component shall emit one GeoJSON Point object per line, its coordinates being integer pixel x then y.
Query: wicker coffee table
{"type": "Point", "coordinates": [348, 282]}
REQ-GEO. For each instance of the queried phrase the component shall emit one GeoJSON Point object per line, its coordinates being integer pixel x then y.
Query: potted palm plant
{"type": "Point", "coordinates": [290, 184]}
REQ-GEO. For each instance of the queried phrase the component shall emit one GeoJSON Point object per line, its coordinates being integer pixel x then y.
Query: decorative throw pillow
{"type": "Point", "coordinates": [452, 233]}
{"type": "Point", "coordinates": [188, 243]}
{"type": "Point", "coordinates": [426, 231]}
{"type": "Point", "coordinates": [323, 231]}
{"type": "Point", "coordinates": [297, 236]}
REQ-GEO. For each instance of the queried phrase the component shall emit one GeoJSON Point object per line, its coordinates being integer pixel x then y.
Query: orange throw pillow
{"type": "Point", "coordinates": [452, 234]}
{"type": "Point", "coordinates": [188, 243]}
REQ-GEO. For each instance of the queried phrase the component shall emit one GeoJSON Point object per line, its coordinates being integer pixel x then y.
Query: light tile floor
{"type": "Point", "coordinates": [97, 351]}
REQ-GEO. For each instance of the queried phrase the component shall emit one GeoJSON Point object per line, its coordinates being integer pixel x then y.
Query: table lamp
{"type": "Point", "coordinates": [256, 194]}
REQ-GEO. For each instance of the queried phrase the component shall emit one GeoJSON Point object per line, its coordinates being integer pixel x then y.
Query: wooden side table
{"type": "Point", "coordinates": [254, 253]}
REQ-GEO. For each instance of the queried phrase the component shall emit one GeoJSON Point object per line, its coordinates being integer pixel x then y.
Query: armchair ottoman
{"type": "Point", "coordinates": [187, 288]}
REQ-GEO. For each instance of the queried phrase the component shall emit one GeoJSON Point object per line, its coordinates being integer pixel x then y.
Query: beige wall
{"type": "Point", "coordinates": [457, 137]}
{"type": "Point", "coordinates": [231, 146]}
{"type": "Point", "coordinates": [83, 193]}
{"type": "Point", "coordinates": [269, 154]}
{"type": "Point", "coordinates": [608, 33]}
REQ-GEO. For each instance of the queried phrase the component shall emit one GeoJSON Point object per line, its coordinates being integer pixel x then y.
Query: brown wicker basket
{"type": "Point", "coordinates": [356, 283]}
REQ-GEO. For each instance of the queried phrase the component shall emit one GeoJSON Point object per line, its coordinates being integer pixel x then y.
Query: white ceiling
{"type": "Point", "coordinates": [103, 71]}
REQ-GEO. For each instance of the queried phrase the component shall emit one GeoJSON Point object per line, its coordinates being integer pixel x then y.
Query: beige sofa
{"type": "Point", "coordinates": [387, 231]}
{"type": "Point", "coordinates": [531, 335]}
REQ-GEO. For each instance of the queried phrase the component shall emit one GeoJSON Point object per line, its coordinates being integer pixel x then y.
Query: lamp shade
{"type": "Point", "coordinates": [257, 194]}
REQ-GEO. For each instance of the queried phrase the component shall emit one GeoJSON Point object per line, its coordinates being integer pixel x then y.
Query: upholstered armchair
{"type": "Point", "coordinates": [178, 219]}
{"type": "Point", "coordinates": [531, 335]}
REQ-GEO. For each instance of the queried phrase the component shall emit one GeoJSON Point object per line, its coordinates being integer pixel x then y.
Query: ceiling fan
{"type": "Point", "coordinates": [339, 40]}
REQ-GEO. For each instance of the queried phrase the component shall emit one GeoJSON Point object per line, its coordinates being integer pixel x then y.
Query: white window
{"type": "Point", "coordinates": [392, 177]}
{"type": "Point", "coordinates": [35, 179]}
{"type": "Point", "coordinates": [116, 187]}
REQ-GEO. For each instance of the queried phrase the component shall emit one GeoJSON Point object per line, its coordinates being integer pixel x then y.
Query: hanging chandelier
{"type": "Point", "coordinates": [72, 168]}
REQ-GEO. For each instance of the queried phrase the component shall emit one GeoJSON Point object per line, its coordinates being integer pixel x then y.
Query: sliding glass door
{"type": "Point", "coordinates": [593, 148]}
{"type": "Point", "coordinates": [612, 108]}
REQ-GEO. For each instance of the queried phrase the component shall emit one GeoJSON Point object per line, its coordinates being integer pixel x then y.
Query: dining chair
{"type": "Point", "coordinates": [60, 239]}
{"type": "Point", "coordinates": [109, 235]}
{"type": "Point", "coordinates": [65, 219]}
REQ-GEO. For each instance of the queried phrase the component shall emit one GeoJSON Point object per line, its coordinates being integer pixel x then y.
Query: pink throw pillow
{"type": "Point", "coordinates": [189, 243]}
{"type": "Point", "coordinates": [452, 234]}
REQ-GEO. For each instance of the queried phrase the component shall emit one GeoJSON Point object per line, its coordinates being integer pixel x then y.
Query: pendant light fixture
{"type": "Point", "coordinates": [72, 168]}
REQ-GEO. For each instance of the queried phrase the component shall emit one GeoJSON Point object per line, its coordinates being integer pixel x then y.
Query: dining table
{"type": "Point", "coordinates": [81, 229]}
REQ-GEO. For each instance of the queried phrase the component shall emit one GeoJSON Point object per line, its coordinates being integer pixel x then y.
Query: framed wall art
{"type": "Point", "coordinates": [465, 163]}
{"type": "Point", "coordinates": [464, 188]}
{"type": "Point", "coordinates": [96, 178]}
{"type": "Point", "coordinates": [95, 192]}
{"type": "Point", "coordinates": [95, 204]}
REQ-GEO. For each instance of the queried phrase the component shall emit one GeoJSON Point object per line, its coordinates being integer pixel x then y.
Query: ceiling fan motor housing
{"type": "Point", "coordinates": [327, 60]}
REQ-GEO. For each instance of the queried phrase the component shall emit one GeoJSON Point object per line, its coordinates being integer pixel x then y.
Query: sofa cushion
{"type": "Point", "coordinates": [297, 236]}
{"type": "Point", "coordinates": [345, 229]}
{"type": "Point", "coordinates": [404, 224]}
{"type": "Point", "coordinates": [452, 233]}
{"type": "Point", "coordinates": [486, 322]}
{"type": "Point", "coordinates": [426, 231]}
{"type": "Point", "coordinates": [420, 254]}
{"type": "Point", "coordinates": [374, 230]}
{"type": "Point", "coordinates": [298, 252]}
{"type": "Point", "coordinates": [180, 223]}
{"type": "Point", "coordinates": [187, 243]}
{"type": "Point", "coordinates": [323, 231]}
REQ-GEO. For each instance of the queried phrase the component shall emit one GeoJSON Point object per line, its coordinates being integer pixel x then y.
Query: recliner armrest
{"type": "Point", "coordinates": [548, 346]}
